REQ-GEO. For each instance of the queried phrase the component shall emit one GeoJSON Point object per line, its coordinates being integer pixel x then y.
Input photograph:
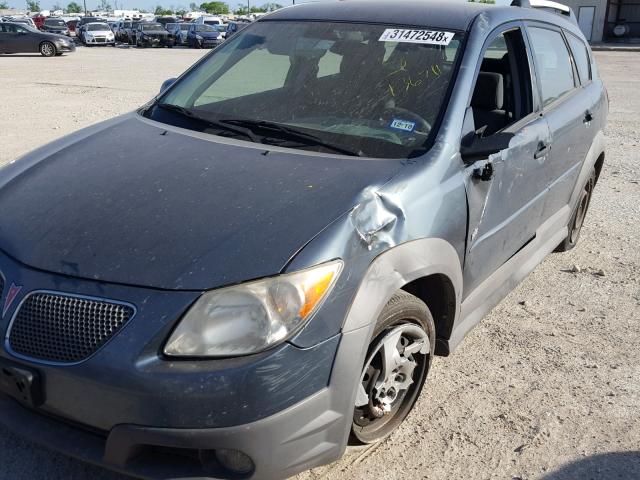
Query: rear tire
{"type": "Point", "coordinates": [579, 215]}
{"type": "Point", "coordinates": [397, 365]}
{"type": "Point", "coordinates": [48, 49]}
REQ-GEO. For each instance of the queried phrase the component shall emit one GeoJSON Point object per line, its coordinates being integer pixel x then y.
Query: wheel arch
{"type": "Point", "coordinates": [428, 268]}
{"type": "Point", "coordinates": [439, 294]}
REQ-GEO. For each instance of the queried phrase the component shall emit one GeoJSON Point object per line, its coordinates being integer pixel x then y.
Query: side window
{"type": "Point", "coordinates": [555, 69]}
{"type": "Point", "coordinates": [502, 94]}
{"type": "Point", "coordinates": [581, 56]}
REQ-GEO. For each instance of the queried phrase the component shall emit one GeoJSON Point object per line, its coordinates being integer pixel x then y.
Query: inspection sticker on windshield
{"type": "Point", "coordinates": [404, 125]}
{"type": "Point", "coordinates": [417, 36]}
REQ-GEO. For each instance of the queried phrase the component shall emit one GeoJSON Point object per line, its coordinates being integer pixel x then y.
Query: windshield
{"type": "Point", "coordinates": [126, 25]}
{"type": "Point", "coordinates": [97, 27]}
{"type": "Point", "coordinates": [184, 26]}
{"type": "Point", "coordinates": [55, 23]}
{"type": "Point", "coordinates": [152, 26]}
{"type": "Point", "coordinates": [220, 28]}
{"type": "Point", "coordinates": [366, 89]}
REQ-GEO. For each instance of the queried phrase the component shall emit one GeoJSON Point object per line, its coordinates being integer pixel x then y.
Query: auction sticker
{"type": "Point", "coordinates": [429, 37]}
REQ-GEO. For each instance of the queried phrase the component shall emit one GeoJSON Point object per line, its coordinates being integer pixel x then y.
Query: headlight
{"type": "Point", "coordinates": [252, 317]}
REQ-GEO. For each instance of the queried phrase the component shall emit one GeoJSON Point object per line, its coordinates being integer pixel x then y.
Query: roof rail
{"type": "Point", "coordinates": [547, 5]}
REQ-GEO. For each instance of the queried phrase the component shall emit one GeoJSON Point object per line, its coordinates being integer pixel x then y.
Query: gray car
{"type": "Point", "coordinates": [21, 38]}
{"type": "Point", "coordinates": [302, 221]}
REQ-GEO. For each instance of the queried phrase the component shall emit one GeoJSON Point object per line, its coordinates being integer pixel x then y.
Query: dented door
{"type": "Point", "coordinates": [506, 210]}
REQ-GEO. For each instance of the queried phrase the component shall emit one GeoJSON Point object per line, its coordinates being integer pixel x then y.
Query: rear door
{"type": "Point", "coordinates": [567, 107]}
{"type": "Point", "coordinates": [505, 210]}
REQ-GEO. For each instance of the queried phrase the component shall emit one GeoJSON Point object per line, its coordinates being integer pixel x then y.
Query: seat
{"type": "Point", "coordinates": [488, 103]}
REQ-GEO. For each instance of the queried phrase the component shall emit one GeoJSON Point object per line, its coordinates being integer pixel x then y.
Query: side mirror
{"type": "Point", "coordinates": [481, 147]}
{"type": "Point", "coordinates": [474, 146]}
{"type": "Point", "coordinates": [166, 84]}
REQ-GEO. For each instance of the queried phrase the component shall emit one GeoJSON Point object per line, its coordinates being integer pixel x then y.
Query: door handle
{"type": "Point", "coordinates": [588, 117]}
{"type": "Point", "coordinates": [543, 149]}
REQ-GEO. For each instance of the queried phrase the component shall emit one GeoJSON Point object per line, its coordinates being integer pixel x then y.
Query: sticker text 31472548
{"type": "Point", "coordinates": [429, 37]}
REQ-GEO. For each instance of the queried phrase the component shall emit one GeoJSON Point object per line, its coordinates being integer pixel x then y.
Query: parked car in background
{"type": "Point", "coordinates": [151, 34]}
{"type": "Point", "coordinates": [80, 26]}
{"type": "Point", "coordinates": [300, 224]}
{"type": "Point", "coordinates": [71, 24]}
{"type": "Point", "coordinates": [97, 34]}
{"type": "Point", "coordinates": [208, 20]}
{"type": "Point", "coordinates": [55, 25]}
{"type": "Point", "coordinates": [203, 36]}
{"type": "Point", "coordinates": [164, 20]}
{"type": "Point", "coordinates": [222, 29]}
{"type": "Point", "coordinates": [128, 32]}
{"type": "Point", "coordinates": [178, 32]}
{"type": "Point", "coordinates": [234, 27]}
{"type": "Point", "coordinates": [22, 38]}
{"type": "Point", "coordinates": [24, 20]}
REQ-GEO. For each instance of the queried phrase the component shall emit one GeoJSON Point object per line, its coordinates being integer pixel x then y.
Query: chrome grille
{"type": "Point", "coordinates": [61, 328]}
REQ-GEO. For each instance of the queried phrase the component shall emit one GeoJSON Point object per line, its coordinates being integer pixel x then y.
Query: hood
{"type": "Point", "coordinates": [132, 202]}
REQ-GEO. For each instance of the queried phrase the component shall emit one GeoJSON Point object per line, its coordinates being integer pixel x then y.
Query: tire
{"type": "Point", "coordinates": [404, 324]}
{"type": "Point", "coordinates": [48, 49]}
{"type": "Point", "coordinates": [579, 214]}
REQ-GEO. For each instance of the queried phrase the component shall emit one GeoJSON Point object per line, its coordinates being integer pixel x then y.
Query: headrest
{"type": "Point", "coordinates": [489, 92]}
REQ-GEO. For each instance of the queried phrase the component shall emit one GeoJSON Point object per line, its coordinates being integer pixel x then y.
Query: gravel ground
{"type": "Point", "coordinates": [546, 387]}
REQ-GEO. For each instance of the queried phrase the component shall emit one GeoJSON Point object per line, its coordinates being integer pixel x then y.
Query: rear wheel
{"type": "Point", "coordinates": [580, 213]}
{"type": "Point", "coordinates": [47, 49]}
{"type": "Point", "coordinates": [397, 364]}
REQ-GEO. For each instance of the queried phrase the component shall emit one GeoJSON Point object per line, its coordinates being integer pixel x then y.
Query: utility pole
{"type": "Point", "coordinates": [85, 8]}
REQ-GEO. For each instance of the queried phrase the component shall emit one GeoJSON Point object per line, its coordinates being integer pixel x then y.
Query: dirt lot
{"type": "Point", "coordinates": [547, 387]}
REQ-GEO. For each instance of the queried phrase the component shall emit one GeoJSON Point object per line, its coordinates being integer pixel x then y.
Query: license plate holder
{"type": "Point", "coordinates": [22, 383]}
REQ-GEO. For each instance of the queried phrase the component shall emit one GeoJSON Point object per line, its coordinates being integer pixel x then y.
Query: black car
{"type": "Point", "coordinates": [21, 38]}
{"type": "Point", "coordinates": [150, 34]}
{"type": "Point", "coordinates": [55, 25]}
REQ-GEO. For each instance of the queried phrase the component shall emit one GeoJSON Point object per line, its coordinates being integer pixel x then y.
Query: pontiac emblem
{"type": "Point", "coordinates": [13, 292]}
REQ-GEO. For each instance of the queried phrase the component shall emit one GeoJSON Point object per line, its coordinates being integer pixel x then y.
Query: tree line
{"type": "Point", "coordinates": [215, 8]}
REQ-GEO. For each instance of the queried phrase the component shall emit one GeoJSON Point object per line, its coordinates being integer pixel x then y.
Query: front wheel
{"type": "Point", "coordinates": [397, 364]}
{"type": "Point", "coordinates": [579, 215]}
{"type": "Point", "coordinates": [47, 49]}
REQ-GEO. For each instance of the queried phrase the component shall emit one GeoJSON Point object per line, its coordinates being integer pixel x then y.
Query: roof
{"type": "Point", "coordinates": [440, 14]}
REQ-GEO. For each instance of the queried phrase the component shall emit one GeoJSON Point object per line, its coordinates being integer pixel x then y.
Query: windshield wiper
{"type": "Point", "coordinates": [289, 133]}
{"type": "Point", "coordinates": [206, 121]}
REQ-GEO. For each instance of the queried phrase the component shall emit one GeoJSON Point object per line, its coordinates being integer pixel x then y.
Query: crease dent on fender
{"type": "Point", "coordinates": [375, 218]}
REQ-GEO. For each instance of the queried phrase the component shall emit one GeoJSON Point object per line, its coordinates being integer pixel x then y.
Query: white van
{"type": "Point", "coordinates": [208, 20]}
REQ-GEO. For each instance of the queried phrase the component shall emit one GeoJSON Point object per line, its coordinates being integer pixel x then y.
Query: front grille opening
{"type": "Point", "coordinates": [65, 329]}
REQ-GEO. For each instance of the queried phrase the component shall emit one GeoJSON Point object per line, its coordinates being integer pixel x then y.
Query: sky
{"type": "Point", "coordinates": [173, 4]}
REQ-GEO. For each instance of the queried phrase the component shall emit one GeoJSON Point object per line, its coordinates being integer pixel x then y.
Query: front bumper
{"type": "Point", "coordinates": [132, 410]}
{"type": "Point", "coordinates": [310, 433]}
{"type": "Point", "coordinates": [99, 41]}
{"type": "Point", "coordinates": [157, 42]}
{"type": "Point", "coordinates": [63, 47]}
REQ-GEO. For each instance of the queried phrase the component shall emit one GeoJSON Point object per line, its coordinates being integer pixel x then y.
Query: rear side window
{"type": "Point", "coordinates": [555, 69]}
{"type": "Point", "coordinates": [581, 56]}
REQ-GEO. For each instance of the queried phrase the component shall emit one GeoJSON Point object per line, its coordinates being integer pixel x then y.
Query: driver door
{"type": "Point", "coordinates": [506, 191]}
{"type": "Point", "coordinates": [8, 38]}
